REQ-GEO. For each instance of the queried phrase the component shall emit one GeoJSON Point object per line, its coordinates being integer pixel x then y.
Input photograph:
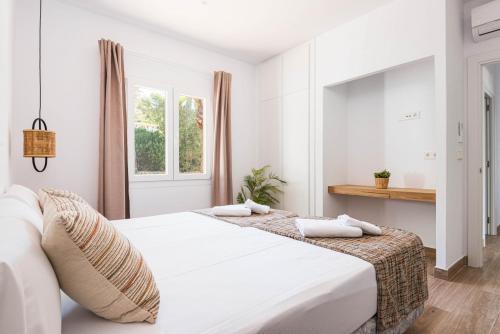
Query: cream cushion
{"type": "Point", "coordinates": [96, 266]}
{"type": "Point", "coordinates": [23, 194]}
{"type": "Point", "coordinates": [27, 206]}
{"type": "Point", "coordinates": [30, 299]}
{"type": "Point", "coordinates": [15, 208]}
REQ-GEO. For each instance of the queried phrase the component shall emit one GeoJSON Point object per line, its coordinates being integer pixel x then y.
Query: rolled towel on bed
{"type": "Point", "coordinates": [316, 228]}
{"type": "Point", "coordinates": [256, 207]}
{"type": "Point", "coordinates": [367, 228]}
{"type": "Point", "coordinates": [237, 210]}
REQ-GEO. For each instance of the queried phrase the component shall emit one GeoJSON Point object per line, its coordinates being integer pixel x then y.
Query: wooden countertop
{"type": "Point", "coordinates": [405, 194]}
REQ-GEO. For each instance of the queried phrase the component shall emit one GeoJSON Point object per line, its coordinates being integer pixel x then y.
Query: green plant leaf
{"type": "Point", "coordinates": [262, 186]}
{"type": "Point", "coordinates": [385, 174]}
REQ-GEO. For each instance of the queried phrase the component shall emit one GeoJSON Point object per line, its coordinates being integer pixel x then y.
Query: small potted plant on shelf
{"type": "Point", "coordinates": [382, 179]}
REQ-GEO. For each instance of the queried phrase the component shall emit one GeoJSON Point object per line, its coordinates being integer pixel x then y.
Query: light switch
{"type": "Point", "coordinates": [460, 133]}
{"type": "Point", "coordinates": [410, 116]}
{"type": "Point", "coordinates": [460, 154]}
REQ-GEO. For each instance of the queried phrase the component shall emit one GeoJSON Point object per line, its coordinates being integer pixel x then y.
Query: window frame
{"type": "Point", "coordinates": [172, 128]}
{"type": "Point", "coordinates": [169, 119]}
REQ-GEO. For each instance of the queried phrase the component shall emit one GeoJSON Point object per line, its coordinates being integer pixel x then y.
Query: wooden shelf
{"type": "Point", "coordinates": [405, 194]}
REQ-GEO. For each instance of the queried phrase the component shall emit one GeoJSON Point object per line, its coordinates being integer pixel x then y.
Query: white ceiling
{"type": "Point", "coordinates": [250, 30]}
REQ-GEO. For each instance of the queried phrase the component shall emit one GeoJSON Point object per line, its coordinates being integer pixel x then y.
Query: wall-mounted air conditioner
{"type": "Point", "coordinates": [486, 21]}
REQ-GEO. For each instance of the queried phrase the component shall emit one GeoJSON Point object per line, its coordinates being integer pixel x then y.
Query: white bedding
{"type": "Point", "coordinates": [215, 277]}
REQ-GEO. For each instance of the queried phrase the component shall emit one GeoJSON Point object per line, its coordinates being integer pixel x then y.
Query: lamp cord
{"type": "Point", "coordinates": [39, 120]}
{"type": "Point", "coordinates": [40, 62]}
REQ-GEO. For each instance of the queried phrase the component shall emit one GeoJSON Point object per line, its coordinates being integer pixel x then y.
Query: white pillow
{"type": "Point", "coordinates": [23, 194]}
{"type": "Point", "coordinates": [15, 208]}
{"type": "Point", "coordinates": [30, 299]}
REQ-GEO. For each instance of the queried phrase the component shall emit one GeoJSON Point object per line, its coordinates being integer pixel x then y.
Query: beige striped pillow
{"type": "Point", "coordinates": [44, 194]}
{"type": "Point", "coordinates": [96, 265]}
{"type": "Point", "coordinates": [50, 210]}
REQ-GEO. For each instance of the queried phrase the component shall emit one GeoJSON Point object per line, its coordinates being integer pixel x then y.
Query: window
{"type": "Point", "coordinates": [150, 140]}
{"type": "Point", "coordinates": [167, 133]}
{"type": "Point", "coordinates": [191, 135]}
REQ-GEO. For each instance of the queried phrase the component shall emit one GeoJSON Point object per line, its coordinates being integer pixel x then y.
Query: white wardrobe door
{"type": "Point", "coordinates": [295, 152]}
{"type": "Point", "coordinates": [270, 79]}
{"type": "Point", "coordinates": [296, 70]}
{"type": "Point", "coordinates": [269, 134]}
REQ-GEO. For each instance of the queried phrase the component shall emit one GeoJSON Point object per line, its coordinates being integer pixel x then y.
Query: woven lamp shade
{"type": "Point", "coordinates": [39, 144]}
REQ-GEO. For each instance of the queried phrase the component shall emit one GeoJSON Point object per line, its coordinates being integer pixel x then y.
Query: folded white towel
{"type": "Point", "coordinates": [237, 210]}
{"type": "Point", "coordinates": [367, 228]}
{"type": "Point", "coordinates": [316, 228]}
{"type": "Point", "coordinates": [256, 207]}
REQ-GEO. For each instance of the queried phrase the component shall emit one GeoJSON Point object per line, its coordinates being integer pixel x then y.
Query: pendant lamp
{"type": "Point", "coordinates": [38, 141]}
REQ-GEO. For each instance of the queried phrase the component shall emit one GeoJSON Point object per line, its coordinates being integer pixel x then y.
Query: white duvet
{"type": "Point", "coordinates": [215, 277]}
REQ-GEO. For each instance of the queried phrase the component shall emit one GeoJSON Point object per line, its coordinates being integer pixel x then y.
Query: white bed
{"type": "Point", "coordinates": [215, 277]}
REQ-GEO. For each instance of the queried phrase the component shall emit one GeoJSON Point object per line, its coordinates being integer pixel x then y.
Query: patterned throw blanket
{"type": "Point", "coordinates": [398, 257]}
{"type": "Point", "coordinates": [251, 221]}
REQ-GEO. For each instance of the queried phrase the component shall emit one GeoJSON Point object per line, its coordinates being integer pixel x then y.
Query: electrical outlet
{"type": "Point", "coordinates": [430, 155]}
{"type": "Point", "coordinates": [410, 116]}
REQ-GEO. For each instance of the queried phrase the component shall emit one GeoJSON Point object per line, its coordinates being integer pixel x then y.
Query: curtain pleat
{"type": "Point", "coordinates": [113, 196]}
{"type": "Point", "coordinates": [222, 181]}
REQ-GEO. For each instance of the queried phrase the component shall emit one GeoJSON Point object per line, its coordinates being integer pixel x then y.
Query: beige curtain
{"type": "Point", "coordinates": [222, 181]}
{"type": "Point", "coordinates": [113, 197]}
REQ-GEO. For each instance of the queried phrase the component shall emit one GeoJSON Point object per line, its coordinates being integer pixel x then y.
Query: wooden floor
{"type": "Point", "coordinates": [470, 303]}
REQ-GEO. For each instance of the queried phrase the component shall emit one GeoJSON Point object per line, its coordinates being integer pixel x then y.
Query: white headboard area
{"type": "Point", "coordinates": [6, 43]}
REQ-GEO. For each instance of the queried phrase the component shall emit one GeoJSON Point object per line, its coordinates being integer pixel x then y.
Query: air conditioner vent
{"type": "Point", "coordinates": [485, 21]}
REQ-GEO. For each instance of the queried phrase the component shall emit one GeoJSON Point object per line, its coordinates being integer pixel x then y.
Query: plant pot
{"type": "Point", "coordinates": [381, 183]}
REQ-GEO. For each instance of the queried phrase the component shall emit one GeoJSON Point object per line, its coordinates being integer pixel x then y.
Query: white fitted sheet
{"type": "Point", "coordinates": [216, 277]}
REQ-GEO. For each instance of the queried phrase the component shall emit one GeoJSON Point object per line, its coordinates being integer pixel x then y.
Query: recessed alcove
{"type": "Point", "coordinates": [385, 120]}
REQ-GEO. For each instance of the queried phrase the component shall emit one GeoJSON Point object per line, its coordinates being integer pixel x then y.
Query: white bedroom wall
{"type": "Point", "coordinates": [284, 117]}
{"type": "Point", "coordinates": [6, 45]}
{"type": "Point", "coordinates": [372, 44]}
{"type": "Point", "coordinates": [295, 133]}
{"type": "Point", "coordinates": [472, 48]}
{"type": "Point", "coordinates": [383, 140]}
{"type": "Point", "coordinates": [411, 89]}
{"type": "Point", "coordinates": [456, 224]}
{"type": "Point", "coordinates": [270, 84]}
{"type": "Point", "coordinates": [335, 152]}
{"type": "Point", "coordinates": [365, 129]}
{"type": "Point", "coordinates": [401, 32]}
{"type": "Point", "coordinates": [71, 101]}
{"type": "Point", "coordinates": [364, 132]}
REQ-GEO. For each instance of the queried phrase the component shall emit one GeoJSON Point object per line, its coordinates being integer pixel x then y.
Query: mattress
{"type": "Point", "coordinates": [216, 277]}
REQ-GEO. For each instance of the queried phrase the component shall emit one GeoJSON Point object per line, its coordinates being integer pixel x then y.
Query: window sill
{"type": "Point", "coordinates": [141, 184]}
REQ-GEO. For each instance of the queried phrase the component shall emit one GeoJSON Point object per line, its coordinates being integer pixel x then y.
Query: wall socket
{"type": "Point", "coordinates": [430, 155]}
{"type": "Point", "coordinates": [409, 116]}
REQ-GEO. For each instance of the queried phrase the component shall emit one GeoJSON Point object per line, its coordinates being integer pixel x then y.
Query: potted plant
{"type": "Point", "coordinates": [382, 179]}
{"type": "Point", "coordinates": [261, 187]}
